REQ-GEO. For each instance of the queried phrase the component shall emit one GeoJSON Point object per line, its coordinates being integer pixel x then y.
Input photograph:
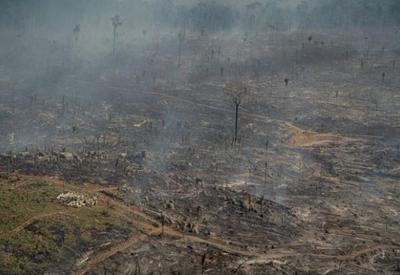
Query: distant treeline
{"type": "Point", "coordinates": [344, 13]}
{"type": "Point", "coordinates": [259, 15]}
{"type": "Point", "coordinates": [206, 15]}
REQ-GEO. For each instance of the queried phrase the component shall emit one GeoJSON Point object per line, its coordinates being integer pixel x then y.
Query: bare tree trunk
{"type": "Point", "coordinates": [179, 52]}
{"type": "Point", "coordinates": [137, 268]}
{"type": "Point", "coordinates": [114, 39]}
{"type": "Point", "coordinates": [265, 172]}
{"type": "Point", "coordinates": [236, 121]}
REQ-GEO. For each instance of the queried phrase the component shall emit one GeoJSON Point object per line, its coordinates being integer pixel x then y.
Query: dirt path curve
{"type": "Point", "coordinates": [218, 244]}
{"type": "Point", "coordinates": [153, 231]}
{"type": "Point", "coordinates": [151, 227]}
{"type": "Point", "coordinates": [128, 209]}
{"type": "Point", "coordinates": [121, 247]}
{"type": "Point", "coordinates": [38, 217]}
{"type": "Point", "coordinates": [171, 232]}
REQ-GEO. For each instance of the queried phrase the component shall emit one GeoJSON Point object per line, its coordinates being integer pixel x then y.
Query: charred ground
{"type": "Point", "coordinates": [309, 187]}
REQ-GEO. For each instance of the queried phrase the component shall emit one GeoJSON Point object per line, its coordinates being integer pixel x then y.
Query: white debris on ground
{"type": "Point", "coordinates": [78, 200]}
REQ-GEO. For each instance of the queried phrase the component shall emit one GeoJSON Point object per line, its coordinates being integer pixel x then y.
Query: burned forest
{"type": "Point", "coordinates": [199, 137]}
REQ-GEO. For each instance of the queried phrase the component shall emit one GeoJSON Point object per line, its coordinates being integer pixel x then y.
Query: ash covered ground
{"type": "Point", "coordinates": [185, 137]}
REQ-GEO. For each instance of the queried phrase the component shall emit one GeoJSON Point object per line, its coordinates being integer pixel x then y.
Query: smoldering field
{"type": "Point", "coordinates": [139, 117]}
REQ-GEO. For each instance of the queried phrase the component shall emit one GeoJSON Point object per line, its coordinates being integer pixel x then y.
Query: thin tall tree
{"type": "Point", "coordinates": [116, 22]}
{"type": "Point", "coordinates": [237, 92]}
{"type": "Point", "coordinates": [181, 37]}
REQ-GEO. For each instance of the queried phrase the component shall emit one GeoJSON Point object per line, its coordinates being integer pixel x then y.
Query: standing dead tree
{"type": "Point", "coordinates": [237, 91]}
{"type": "Point", "coordinates": [163, 219]}
{"type": "Point", "coordinates": [203, 262]}
{"type": "Point", "coordinates": [116, 22]}
{"type": "Point", "coordinates": [181, 37]}
{"type": "Point", "coordinates": [137, 267]}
